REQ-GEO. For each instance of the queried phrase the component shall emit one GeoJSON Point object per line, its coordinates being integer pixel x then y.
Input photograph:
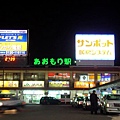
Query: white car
{"type": "Point", "coordinates": [110, 104]}
{"type": "Point", "coordinates": [10, 102]}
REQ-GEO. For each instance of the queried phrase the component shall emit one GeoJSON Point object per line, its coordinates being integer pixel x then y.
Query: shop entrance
{"type": "Point", "coordinates": [32, 98]}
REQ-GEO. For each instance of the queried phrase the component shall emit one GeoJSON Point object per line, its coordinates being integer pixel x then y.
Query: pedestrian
{"type": "Point", "coordinates": [94, 102]}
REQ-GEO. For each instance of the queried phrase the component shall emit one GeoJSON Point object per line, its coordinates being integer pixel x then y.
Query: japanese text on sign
{"type": "Point", "coordinates": [95, 47]}
{"type": "Point", "coordinates": [53, 61]}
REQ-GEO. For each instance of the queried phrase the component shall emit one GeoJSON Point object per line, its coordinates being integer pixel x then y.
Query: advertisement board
{"type": "Point", "coordinates": [78, 84]}
{"type": "Point", "coordinates": [59, 76]}
{"type": "Point", "coordinates": [58, 83]}
{"type": "Point", "coordinates": [33, 84]}
{"type": "Point", "coordinates": [9, 84]}
{"type": "Point", "coordinates": [13, 42]}
{"type": "Point", "coordinates": [94, 47]}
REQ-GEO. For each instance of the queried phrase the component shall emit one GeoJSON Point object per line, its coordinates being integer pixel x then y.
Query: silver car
{"type": "Point", "coordinates": [110, 104]}
{"type": "Point", "coordinates": [10, 102]}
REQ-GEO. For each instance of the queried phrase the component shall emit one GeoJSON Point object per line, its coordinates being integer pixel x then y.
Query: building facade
{"type": "Point", "coordinates": [30, 84]}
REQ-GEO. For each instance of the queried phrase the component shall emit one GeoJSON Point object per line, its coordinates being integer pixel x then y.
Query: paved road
{"type": "Point", "coordinates": [53, 112]}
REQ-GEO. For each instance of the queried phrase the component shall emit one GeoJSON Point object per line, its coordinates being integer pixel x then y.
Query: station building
{"type": "Point", "coordinates": [30, 83]}
{"type": "Point", "coordinates": [94, 56]}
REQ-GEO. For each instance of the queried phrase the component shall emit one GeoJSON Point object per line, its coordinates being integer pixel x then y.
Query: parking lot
{"type": "Point", "coordinates": [53, 112]}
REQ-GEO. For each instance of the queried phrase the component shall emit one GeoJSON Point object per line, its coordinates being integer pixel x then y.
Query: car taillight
{"type": "Point", "coordinates": [23, 103]}
{"type": "Point", "coordinates": [80, 102]}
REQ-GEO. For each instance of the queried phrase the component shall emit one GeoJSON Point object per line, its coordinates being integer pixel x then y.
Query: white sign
{"type": "Point", "coordinates": [33, 83]}
{"type": "Point", "coordinates": [94, 47]}
{"type": "Point", "coordinates": [83, 78]}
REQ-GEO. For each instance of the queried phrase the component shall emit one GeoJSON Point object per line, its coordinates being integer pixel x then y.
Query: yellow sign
{"type": "Point", "coordinates": [13, 46]}
{"type": "Point", "coordinates": [58, 83]}
{"type": "Point", "coordinates": [1, 83]}
{"type": "Point", "coordinates": [78, 84]}
{"type": "Point", "coordinates": [10, 83]}
{"type": "Point", "coordinates": [5, 92]}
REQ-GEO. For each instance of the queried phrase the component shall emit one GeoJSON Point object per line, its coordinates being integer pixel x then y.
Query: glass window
{"type": "Point", "coordinates": [1, 76]}
{"type": "Point", "coordinates": [113, 97]}
{"type": "Point", "coordinates": [34, 76]}
{"type": "Point", "coordinates": [16, 76]}
{"type": "Point", "coordinates": [8, 76]}
{"type": "Point", "coordinates": [11, 76]}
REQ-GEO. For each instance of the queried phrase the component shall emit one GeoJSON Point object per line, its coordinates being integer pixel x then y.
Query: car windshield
{"type": "Point", "coordinates": [87, 99]}
{"type": "Point", "coordinates": [80, 98]}
{"type": "Point", "coordinates": [113, 97]}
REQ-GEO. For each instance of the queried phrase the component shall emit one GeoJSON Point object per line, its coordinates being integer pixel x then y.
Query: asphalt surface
{"type": "Point", "coordinates": [54, 112]}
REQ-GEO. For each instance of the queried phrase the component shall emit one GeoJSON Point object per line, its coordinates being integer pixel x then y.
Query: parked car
{"type": "Point", "coordinates": [49, 101]}
{"type": "Point", "coordinates": [87, 103]}
{"type": "Point", "coordinates": [110, 104]}
{"type": "Point", "coordinates": [10, 102]}
{"type": "Point", "coordinates": [77, 102]}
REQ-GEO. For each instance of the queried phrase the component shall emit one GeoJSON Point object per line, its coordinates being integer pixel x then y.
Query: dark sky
{"type": "Point", "coordinates": [53, 25]}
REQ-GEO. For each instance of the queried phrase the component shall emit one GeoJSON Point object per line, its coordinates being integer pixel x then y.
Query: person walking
{"type": "Point", "coordinates": [94, 102]}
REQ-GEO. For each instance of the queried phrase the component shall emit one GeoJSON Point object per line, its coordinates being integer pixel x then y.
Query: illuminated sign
{"type": "Point", "coordinates": [33, 84]}
{"type": "Point", "coordinates": [104, 77]}
{"type": "Point", "coordinates": [53, 61]}
{"type": "Point", "coordinates": [101, 83]}
{"type": "Point", "coordinates": [59, 76]}
{"type": "Point", "coordinates": [78, 84]}
{"type": "Point", "coordinates": [13, 42]}
{"type": "Point", "coordinates": [86, 77]}
{"type": "Point", "coordinates": [9, 58]}
{"type": "Point", "coordinates": [58, 83]}
{"type": "Point", "coordinates": [1, 83]}
{"type": "Point", "coordinates": [9, 83]}
{"type": "Point", "coordinates": [94, 47]}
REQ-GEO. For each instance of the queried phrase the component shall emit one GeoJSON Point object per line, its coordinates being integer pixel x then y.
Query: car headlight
{"type": "Point", "coordinates": [88, 103]}
{"type": "Point", "coordinates": [109, 105]}
{"type": "Point", "coordinates": [80, 102]}
{"type": "Point", "coordinates": [1, 103]}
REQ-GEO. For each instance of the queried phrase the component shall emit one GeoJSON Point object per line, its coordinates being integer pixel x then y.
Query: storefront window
{"type": "Point", "coordinates": [10, 80]}
{"type": "Point", "coordinates": [84, 80]}
{"type": "Point", "coordinates": [34, 76]}
{"type": "Point", "coordinates": [11, 76]}
{"type": "Point", "coordinates": [1, 76]}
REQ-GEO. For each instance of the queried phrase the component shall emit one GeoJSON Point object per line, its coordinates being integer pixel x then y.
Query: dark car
{"type": "Point", "coordinates": [49, 101]}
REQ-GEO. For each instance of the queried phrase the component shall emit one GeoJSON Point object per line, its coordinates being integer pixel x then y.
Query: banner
{"type": "Point", "coordinates": [58, 83]}
{"type": "Point", "coordinates": [13, 42]}
{"type": "Point", "coordinates": [33, 84]}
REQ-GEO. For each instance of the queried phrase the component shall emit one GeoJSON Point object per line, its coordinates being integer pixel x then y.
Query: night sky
{"type": "Point", "coordinates": [52, 26]}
